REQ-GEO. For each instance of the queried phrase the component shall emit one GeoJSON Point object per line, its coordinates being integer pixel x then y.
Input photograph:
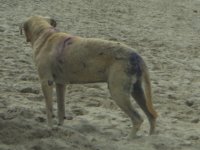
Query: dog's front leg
{"type": "Point", "coordinates": [60, 91]}
{"type": "Point", "coordinates": [47, 91]}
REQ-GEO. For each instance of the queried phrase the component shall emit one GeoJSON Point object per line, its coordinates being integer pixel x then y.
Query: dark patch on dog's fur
{"type": "Point", "coordinates": [74, 72]}
{"type": "Point", "coordinates": [67, 41]}
{"type": "Point", "coordinates": [54, 76]}
{"type": "Point", "coordinates": [60, 68]}
{"type": "Point", "coordinates": [60, 61]}
{"type": "Point", "coordinates": [101, 53]}
{"type": "Point", "coordinates": [135, 62]}
{"type": "Point", "coordinates": [84, 65]}
{"type": "Point", "coordinates": [138, 95]}
{"type": "Point", "coordinates": [101, 71]}
{"type": "Point", "coordinates": [50, 83]}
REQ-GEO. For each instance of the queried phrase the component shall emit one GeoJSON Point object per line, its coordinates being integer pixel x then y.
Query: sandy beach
{"type": "Point", "coordinates": [166, 33]}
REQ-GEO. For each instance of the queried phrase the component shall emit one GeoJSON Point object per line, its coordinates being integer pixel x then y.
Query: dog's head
{"type": "Point", "coordinates": [35, 24]}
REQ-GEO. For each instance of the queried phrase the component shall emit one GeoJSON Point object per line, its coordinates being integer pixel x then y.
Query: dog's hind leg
{"type": "Point", "coordinates": [47, 91]}
{"type": "Point", "coordinates": [60, 91]}
{"type": "Point", "coordinates": [143, 97]}
{"type": "Point", "coordinates": [145, 103]}
{"type": "Point", "coordinates": [120, 86]}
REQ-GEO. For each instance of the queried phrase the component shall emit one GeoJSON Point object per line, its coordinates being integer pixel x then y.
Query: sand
{"type": "Point", "coordinates": [165, 32]}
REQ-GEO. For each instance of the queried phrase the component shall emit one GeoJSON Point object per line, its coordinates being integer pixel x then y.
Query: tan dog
{"type": "Point", "coordinates": [62, 58]}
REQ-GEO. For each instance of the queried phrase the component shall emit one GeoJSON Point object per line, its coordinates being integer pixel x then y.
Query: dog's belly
{"type": "Point", "coordinates": [88, 72]}
{"type": "Point", "coordinates": [81, 72]}
{"type": "Point", "coordinates": [81, 77]}
{"type": "Point", "coordinates": [84, 77]}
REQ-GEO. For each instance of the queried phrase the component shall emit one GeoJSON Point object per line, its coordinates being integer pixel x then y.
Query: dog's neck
{"type": "Point", "coordinates": [40, 40]}
{"type": "Point", "coordinates": [45, 33]}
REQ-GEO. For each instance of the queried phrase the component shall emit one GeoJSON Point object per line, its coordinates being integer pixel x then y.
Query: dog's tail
{"type": "Point", "coordinates": [148, 92]}
{"type": "Point", "coordinates": [142, 97]}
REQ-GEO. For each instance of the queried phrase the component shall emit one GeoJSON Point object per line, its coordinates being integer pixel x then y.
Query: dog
{"type": "Point", "coordinates": [63, 59]}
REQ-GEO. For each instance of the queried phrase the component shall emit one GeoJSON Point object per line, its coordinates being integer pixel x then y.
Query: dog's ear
{"type": "Point", "coordinates": [26, 31]}
{"type": "Point", "coordinates": [53, 22]}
